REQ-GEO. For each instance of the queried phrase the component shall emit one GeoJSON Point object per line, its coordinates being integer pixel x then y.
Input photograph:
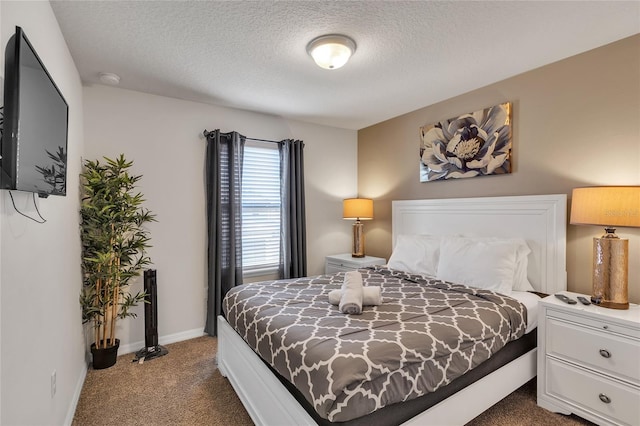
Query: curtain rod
{"type": "Point", "coordinates": [263, 140]}
{"type": "Point", "coordinates": [206, 133]}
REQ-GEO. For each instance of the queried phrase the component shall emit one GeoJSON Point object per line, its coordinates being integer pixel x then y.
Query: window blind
{"type": "Point", "coordinates": [261, 208]}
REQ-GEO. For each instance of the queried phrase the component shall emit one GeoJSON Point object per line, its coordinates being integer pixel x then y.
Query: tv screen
{"type": "Point", "coordinates": [34, 138]}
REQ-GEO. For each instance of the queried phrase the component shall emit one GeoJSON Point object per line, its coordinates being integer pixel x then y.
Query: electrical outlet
{"type": "Point", "coordinates": [53, 383]}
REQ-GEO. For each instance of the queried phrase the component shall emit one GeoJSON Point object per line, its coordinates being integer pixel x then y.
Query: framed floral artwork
{"type": "Point", "coordinates": [474, 144]}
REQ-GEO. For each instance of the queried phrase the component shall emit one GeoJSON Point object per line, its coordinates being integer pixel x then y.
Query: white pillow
{"type": "Point", "coordinates": [520, 280]}
{"type": "Point", "coordinates": [482, 263]}
{"type": "Point", "coordinates": [416, 254]}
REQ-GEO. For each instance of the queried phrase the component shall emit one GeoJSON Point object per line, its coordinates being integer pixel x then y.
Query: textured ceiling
{"type": "Point", "coordinates": [251, 55]}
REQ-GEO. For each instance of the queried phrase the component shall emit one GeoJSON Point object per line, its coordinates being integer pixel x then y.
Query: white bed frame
{"type": "Point", "coordinates": [539, 219]}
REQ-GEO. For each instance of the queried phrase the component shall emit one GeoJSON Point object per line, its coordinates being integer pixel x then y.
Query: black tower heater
{"type": "Point", "coordinates": [152, 349]}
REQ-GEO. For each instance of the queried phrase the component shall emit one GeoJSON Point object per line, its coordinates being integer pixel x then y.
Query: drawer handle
{"type": "Point", "coordinates": [605, 353]}
{"type": "Point", "coordinates": [604, 398]}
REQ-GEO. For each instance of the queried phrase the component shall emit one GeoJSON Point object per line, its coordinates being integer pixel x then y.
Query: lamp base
{"type": "Point", "coordinates": [609, 304]}
{"type": "Point", "coordinates": [610, 272]}
{"type": "Point", "coordinates": [358, 240]}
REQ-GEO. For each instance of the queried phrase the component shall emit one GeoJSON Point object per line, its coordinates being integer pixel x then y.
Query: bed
{"type": "Point", "coordinates": [539, 220]}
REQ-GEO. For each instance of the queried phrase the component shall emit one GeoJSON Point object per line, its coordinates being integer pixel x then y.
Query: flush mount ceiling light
{"type": "Point", "coordinates": [331, 51]}
{"type": "Point", "coordinates": [109, 78]}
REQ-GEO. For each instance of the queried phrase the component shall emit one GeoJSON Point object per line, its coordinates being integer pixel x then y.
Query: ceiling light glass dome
{"type": "Point", "coordinates": [331, 51]}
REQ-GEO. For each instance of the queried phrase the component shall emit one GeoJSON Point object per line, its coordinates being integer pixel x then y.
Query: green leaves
{"type": "Point", "coordinates": [114, 239]}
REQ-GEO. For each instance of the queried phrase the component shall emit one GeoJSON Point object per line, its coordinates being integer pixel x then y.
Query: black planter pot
{"type": "Point", "coordinates": [104, 357]}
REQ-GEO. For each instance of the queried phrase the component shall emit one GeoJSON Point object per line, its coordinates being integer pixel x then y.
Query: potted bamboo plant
{"type": "Point", "coordinates": [114, 243]}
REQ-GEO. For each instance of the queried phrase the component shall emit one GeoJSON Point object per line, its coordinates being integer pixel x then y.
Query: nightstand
{"type": "Point", "coordinates": [344, 262]}
{"type": "Point", "coordinates": [589, 361]}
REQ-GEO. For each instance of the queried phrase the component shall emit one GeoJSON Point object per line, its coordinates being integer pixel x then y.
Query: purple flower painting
{"type": "Point", "coordinates": [474, 144]}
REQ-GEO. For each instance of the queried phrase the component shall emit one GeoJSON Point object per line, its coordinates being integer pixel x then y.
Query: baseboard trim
{"type": "Point", "coordinates": [76, 396]}
{"type": "Point", "coordinates": [163, 340]}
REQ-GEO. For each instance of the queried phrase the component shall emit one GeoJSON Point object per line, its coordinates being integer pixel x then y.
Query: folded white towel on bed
{"type": "Point", "coordinates": [371, 296]}
{"type": "Point", "coordinates": [351, 300]}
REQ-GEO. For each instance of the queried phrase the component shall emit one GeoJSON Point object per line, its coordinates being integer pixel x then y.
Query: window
{"type": "Point", "coordinates": [260, 208]}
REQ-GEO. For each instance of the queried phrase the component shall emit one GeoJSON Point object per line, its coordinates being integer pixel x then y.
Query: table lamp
{"type": "Point", "coordinates": [611, 207]}
{"type": "Point", "coordinates": [358, 209]}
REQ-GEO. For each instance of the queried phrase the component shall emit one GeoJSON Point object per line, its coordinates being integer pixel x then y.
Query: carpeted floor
{"type": "Point", "coordinates": [185, 388]}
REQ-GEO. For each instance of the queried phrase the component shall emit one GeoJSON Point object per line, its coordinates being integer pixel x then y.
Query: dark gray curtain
{"type": "Point", "coordinates": [293, 237]}
{"type": "Point", "coordinates": [224, 219]}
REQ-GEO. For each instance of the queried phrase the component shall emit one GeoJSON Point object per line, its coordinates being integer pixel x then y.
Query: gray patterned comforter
{"type": "Point", "coordinates": [425, 334]}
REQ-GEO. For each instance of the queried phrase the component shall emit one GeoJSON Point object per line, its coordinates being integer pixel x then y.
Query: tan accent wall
{"type": "Point", "coordinates": [575, 123]}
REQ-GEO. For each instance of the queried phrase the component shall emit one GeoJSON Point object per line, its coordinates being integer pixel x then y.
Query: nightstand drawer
{"type": "Point", "coordinates": [599, 396]}
{"type": "Point", "coordinates": [599, 324]}
{"type": "Point", "coordinates": [607, 353]}
{"type": "Point", "coordinates": [332, 268]}
{"type": "Point", "coordinates": [345, 262]}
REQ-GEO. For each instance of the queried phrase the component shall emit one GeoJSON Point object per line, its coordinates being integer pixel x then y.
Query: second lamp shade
{"type": "Point", "coordinates": [357, 208]}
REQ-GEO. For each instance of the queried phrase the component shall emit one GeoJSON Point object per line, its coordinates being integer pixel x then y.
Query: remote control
{"type": "Point", "coordinates": [584, 300]}
{"type": "Point", "coordinates": [565, 299]}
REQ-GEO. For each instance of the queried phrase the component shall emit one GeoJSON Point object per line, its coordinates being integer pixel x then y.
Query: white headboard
{"type": "Point", "coordinates": [539, 219]}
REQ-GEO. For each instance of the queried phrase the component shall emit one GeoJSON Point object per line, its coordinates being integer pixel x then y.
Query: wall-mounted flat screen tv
{"type": "Point", "coordinates": [34, 137]}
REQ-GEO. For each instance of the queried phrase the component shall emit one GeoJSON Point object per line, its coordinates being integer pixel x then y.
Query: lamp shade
{"type": "Point", "coordinates": [606, 206]}
{"type": "Point", "coordinates": [357, 208]}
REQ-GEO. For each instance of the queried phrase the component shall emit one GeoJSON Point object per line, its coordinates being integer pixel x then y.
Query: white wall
{"type": "Point", "coordinates": [163, 138]}
{"type": "Point", "coordinates": [40, 279]}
